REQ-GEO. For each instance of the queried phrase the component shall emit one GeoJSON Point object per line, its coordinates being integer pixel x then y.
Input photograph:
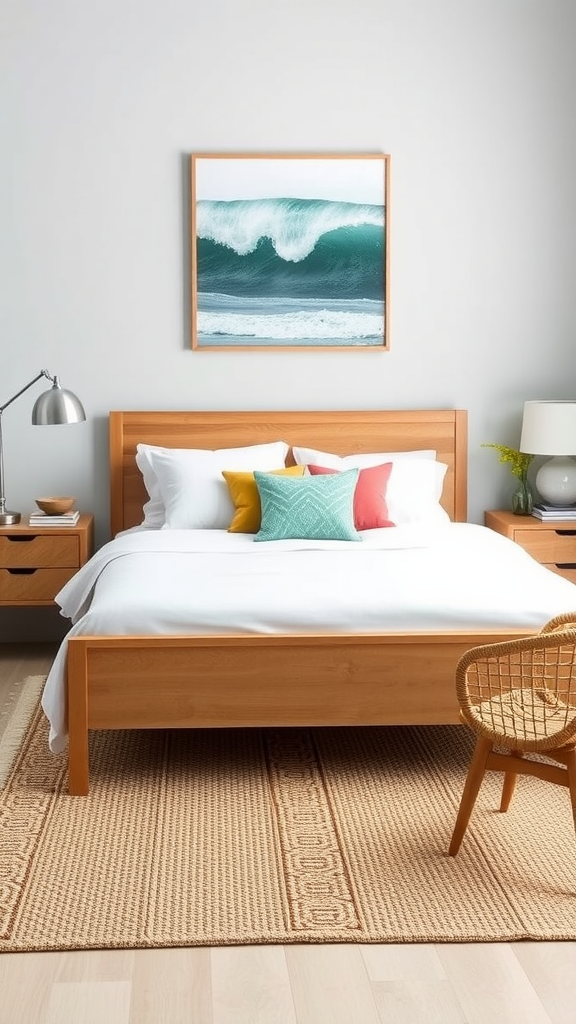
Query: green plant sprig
{"type": "Point", "coordinates": [519, 461]}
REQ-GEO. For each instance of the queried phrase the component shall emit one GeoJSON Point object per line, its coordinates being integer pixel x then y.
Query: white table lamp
{"type": "Point", "coordinates": [549, 428]}
{"type": "Point", "coordinates": [53, 406]}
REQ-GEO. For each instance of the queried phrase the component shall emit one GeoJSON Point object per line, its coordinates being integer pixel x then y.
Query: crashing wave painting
{"type": "Point", "coordinates": [289, 252]}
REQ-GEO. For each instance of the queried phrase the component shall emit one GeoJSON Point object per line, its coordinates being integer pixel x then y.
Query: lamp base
{"type": "Point", "coordinates": [9, 518]}
{"type": "Point", "coordinates": [556, 481]}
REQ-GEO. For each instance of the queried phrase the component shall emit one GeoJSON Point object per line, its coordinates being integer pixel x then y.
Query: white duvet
{"type": "Point", "coordinates": [449, 577]}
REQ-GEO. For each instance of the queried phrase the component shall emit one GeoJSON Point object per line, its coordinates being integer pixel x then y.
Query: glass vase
{"type": "Point", "coordinates": [522, 501]}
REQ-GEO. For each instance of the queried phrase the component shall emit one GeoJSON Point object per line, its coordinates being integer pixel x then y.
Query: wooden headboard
{"type": "Point", "coordinates": [342, 433]}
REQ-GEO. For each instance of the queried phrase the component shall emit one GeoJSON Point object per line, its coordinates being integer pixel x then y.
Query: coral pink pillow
{"type": "Point", "coordinates": [370, 511]}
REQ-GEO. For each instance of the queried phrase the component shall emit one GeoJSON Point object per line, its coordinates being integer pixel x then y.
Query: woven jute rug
{"type": "Point", "coordinates": [219, 837]}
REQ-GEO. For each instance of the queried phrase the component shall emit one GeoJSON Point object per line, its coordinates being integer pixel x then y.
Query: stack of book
{"type": "Point", "coordinates": [554, 513]}
{"type": "Point", "coordinates": [65, 519]}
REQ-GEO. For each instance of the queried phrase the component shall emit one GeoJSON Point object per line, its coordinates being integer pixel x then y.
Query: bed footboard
{"type": "Point", "coordinates": [279, 680]}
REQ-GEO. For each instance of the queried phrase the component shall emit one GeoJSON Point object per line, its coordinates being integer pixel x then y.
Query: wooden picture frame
{"type": "Point", "coordinates": [290, 252]}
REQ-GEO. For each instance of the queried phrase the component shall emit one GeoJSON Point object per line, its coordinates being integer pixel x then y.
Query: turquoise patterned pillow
{"type": "Point", "coordinates": [308, 507]}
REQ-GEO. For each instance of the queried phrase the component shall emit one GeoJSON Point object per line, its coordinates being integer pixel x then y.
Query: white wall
{"type": "Point", "coordinates": [101, 104]}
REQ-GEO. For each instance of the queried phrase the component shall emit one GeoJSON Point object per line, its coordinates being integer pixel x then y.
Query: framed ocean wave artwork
{"type": "Point", "coordinates": [289, 252]}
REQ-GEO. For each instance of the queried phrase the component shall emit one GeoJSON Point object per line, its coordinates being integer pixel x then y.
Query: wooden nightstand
{"type": "Point", "coordinates": [35, 562]}
{"type": "Point", "coordinates": [552, 544]}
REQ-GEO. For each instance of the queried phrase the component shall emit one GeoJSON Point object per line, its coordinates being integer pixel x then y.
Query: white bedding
{"type": "Point", "coordinates": [449, 577]}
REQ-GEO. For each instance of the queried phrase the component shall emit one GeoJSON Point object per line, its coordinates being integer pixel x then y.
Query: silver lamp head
{"type": "Point", "coordinates": [57, 405]}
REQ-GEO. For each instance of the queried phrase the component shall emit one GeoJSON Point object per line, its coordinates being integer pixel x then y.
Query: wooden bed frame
{"type": "Point", "coordinates": [119, 682]}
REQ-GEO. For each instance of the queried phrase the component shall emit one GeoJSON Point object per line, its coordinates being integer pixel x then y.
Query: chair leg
{"type": "Point", "coordinates": [510, 780]}
{"type": "Point", "coordinates": [471, 789]}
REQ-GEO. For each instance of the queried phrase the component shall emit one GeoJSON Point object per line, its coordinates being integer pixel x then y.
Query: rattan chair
{"type": "Point", "coordinates": [519, 697]}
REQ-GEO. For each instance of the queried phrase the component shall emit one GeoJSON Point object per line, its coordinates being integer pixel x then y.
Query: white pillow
{"type": "Point", "coordinates": [190, 486]}
{"type": "Point", "coordinates": [310, 456]}
{"type": "Point", "coordinates": [414, 491]}
{"type": "Point", "coordinates": [154, 511]}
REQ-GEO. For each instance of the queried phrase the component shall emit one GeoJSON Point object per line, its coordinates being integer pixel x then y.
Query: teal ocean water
{"type": "Point", "coordinates": [290, 272]}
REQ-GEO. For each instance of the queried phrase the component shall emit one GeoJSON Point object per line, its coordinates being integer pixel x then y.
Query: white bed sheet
{"type": "Point", "coordinates": [449, 577]}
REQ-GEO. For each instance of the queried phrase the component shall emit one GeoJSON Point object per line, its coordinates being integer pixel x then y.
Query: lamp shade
{"type": "Point", "coordinates": [57, 406]}
{"type": "Point", "coordinates": [549, 428]}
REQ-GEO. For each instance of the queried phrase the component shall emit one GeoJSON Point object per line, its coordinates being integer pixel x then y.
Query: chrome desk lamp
{"type": "Point", "coordinates": [53, 406]}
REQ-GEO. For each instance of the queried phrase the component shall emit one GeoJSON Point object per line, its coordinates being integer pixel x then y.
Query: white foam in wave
{"type": "Point", "coordinates": [293, 226]}
{"type": "Point", "coordinates": [319, 325]}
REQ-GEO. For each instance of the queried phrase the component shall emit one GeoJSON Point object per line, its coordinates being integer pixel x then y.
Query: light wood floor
{"type": "Point", "coordinates": [491, 983]}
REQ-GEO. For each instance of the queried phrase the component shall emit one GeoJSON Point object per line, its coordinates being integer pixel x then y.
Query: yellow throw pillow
{"type": "Point", "coordinates": [246, 498]}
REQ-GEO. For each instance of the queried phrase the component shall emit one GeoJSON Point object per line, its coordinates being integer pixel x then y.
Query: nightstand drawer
{"type": "Point", "coordinates": [549, 546]}
{"type": "Point", "coordinates": [27, 585]}
{"type": "Point", "coordinates": [23, 550]}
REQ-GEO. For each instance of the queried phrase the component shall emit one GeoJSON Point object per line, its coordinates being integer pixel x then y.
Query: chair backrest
{"type": "Point", "coordinates": [560, 622]}
{"type": "Point", "coordinates": [522, 692]}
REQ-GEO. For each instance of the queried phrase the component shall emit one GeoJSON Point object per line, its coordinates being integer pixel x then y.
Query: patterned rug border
{"type": "Point", "coordinates": [18, 712]}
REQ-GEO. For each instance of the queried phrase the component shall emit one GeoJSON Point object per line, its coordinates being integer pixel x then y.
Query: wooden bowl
{"type": "Point", "coordinates": [55, 506]}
